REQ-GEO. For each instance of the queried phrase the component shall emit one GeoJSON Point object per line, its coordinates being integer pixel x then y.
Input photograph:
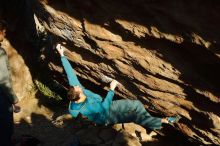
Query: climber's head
{"type": "Point", "coordinates": [75, 93]}
{"type": "Point", "coordinates": [3, 26]}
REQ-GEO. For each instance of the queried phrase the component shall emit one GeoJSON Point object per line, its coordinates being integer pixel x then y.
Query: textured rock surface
{"type": "Point", "coordinates": [165, 53]}
{"type": "Point", "coordinates": [161, 52]}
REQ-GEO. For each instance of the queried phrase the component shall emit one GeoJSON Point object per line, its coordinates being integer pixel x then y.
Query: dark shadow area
{"type": "Point", "coordinates": [202, 102]}
{"type": "Point", "coordinates": [189, 16]}
{"type": "Point", "coordinates": [172, 138]}
{"type": "Point", "coordinates": [205, 125]}
{"type": "Point", "coordinates": [49, 134]}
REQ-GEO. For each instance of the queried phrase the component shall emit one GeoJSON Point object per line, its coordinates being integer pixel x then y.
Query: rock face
{"type": "Point", "coordinates": [164, 53]}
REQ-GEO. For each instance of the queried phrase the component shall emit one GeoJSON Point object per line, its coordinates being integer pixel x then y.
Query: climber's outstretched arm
{"type": "Point", "coordinates": [71, 75]}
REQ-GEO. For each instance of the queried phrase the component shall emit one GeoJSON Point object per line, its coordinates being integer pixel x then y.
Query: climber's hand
{"type": "Point", "coordinates": [113, 84]}
{"type": "Point", "coordinates": [60, 49]}
{"type": "Point", "coordinates": [59, 121]}
{"type": "Point", "coordinates": [16, 108]}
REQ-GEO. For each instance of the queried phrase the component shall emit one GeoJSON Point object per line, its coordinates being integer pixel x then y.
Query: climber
{"type": "Point", "coordinates": [106, 112]}
{"type": "Point", "coordinates": [8, 100]}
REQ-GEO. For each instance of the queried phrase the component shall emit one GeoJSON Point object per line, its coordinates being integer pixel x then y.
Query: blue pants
{"type": "Point", "coordinates": [126, 111]}
{"type": "Point", "coordinates": [6, 122]}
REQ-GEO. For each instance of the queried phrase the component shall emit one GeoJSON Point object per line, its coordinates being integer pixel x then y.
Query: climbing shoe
{"type": "Point", "coordinates": [172, 120]}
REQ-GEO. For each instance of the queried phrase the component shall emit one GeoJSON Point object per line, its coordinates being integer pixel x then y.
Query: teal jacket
{"type": "Point", "coordinates": [94, 107]}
